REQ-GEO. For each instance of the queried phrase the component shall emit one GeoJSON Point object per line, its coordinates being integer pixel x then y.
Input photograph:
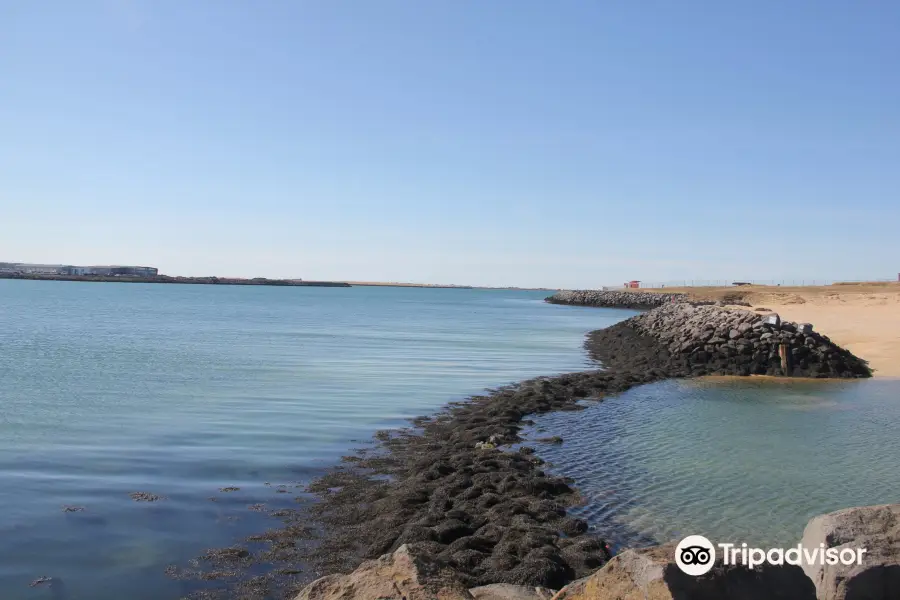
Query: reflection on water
{"type": "Point", "coordinates": [735, 459]}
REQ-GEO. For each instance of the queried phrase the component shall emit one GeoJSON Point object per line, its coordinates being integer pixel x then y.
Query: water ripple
{"type": "Point", "coordinates": [737, 460]}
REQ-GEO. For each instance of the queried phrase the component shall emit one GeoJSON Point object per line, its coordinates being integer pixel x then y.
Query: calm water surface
{"type": "Point", "coordinates": [179, 390]}
{"type": "Point", "coordinates": [736, 460]}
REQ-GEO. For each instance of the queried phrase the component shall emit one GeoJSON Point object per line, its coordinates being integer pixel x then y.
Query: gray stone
{"type": "Point", "coordinates": [652, 574]}
{"type": "Point", "coordinates": [773, 319]}
{"type": "Point", "coordinates": [874, 528]}
{"type": "Point", "coordinates": [402, 575]}
{"type": "Point", "coordinates": [733, 334]}
{"type": "Point", "coordinates": [805, 328]}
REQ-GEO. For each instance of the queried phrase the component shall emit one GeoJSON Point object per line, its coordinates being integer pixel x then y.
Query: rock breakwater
{"type": "Point", "coordinates": [688, 340]}
{"type": "Point", "coordinates": [614, 299]}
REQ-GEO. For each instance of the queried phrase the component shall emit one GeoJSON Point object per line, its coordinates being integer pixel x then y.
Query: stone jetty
{"type": "Point", "coordinates": [705, 340]}
{"type": "Point", "coordinates": [614, 299]}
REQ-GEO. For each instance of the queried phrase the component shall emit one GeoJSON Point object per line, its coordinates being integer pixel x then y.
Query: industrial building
{"type": "Point", "coordinates": [112, 271]}
{"type": "Point", "coordinates": [103, 271]}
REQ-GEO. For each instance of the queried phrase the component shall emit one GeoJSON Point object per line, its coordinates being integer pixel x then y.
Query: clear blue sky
{"type": "Point", "coordinates": [516, 142]}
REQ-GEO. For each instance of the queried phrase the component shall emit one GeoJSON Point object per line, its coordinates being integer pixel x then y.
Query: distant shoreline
{"type": "Point", "coordinates": [169, 279]}
{"type": "Point", "coordinates": [444, 286]}
{"type": "Point", "coordinates": [253, 281]}
{"type": "Point", "coordinates": [404, 285]}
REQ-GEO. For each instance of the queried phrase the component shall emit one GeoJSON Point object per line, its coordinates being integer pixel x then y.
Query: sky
{"type": "Point", "coordinates": [504, 142]}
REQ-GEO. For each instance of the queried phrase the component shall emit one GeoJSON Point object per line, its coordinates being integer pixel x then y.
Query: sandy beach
{"type": "Point", "coordinates": [864, 318]}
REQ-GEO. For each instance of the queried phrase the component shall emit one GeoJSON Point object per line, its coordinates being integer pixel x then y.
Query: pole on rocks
{"type": "Point", "coordinates": [785, 363]}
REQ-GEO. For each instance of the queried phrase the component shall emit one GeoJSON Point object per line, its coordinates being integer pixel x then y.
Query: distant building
{"type": "Point", "coordinates": [113, 271]}
{"type": "Point", "coordinates": [136, 271]}
{"type": "Point", "coordinates": [39, 269]}
{"type": "Point", "coordinates": [103, 271]}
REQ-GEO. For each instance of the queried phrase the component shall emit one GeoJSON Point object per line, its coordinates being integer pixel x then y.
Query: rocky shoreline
{"type": "Point", "coordinates": [451, 489]}
{"type": "Point", "coordinates": [652, 573]}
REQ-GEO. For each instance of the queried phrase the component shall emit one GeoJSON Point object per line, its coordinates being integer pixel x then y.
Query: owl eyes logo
{"type": "Point", "coordinates": [695, 555]}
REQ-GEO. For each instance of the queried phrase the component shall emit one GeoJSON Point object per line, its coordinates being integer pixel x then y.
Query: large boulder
{"type": "Point", "coordinates": [652, 574]}
{"type": "Point", "coordinates": [874, 528]}
{"type": "Point", "coordinates": [399, 576]}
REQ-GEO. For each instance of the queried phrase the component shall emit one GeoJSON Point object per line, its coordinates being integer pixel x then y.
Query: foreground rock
{"type": "Point", "coordinates": [614, 299]}
{"type": "Point", "coordinates": [412, 573]}
{"type": "Point", "coordinates": [691, 340]}
{"type": "Point", "coordinates": [403, 575]}
{"type": "Point", "coordinates": [651, 574]}
{"type": "Point", "coordinates": [875, 528]}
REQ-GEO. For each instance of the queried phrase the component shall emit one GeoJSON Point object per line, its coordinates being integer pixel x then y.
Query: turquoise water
{"type": "Point", "coordinates": [736, 460]}
{"type": "Point", "coordinates": [179, 390]}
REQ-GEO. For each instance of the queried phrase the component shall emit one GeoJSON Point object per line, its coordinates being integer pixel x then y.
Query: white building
{"type": "Point", "coordinates": [39, 269]}
{"type": "Point", "coordinates": [103, 271]}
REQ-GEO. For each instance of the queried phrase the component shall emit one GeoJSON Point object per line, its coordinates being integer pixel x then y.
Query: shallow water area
{"type": "Point", "coordinates": [734, 459]}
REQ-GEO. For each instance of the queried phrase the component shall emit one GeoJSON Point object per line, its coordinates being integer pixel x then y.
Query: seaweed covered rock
{"type": "Point", "coordinates": [494, 514]}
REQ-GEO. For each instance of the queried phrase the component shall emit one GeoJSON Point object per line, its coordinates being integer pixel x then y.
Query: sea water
{"type": "Point", "coordinates": [734, 459]}
{"type": "Point", "coordinates": [107, 389]}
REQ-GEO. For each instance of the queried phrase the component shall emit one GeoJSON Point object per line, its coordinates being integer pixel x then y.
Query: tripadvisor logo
{"type": "Point", "coordinates": [696, 555]}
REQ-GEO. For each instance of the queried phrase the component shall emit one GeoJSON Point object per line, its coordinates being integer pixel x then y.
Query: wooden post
{"type": "Point", "coordinates": [785, 363]}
